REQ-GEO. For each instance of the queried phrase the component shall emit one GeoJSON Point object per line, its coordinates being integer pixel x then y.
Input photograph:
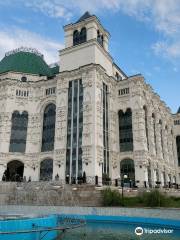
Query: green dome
{"type": "Point", "coordinates": [26, 62]}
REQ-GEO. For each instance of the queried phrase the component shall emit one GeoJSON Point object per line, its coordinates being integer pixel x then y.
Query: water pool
{"type": "Point", "coordinates": [96, 228]}
{"type": "Point", "coordinates": [119, 228]}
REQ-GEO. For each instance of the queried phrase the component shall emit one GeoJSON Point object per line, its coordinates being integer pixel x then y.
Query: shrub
{"type": "Point", "coordinates": [154, 199]}
{"type": "Point", "coordinates": [111, 198]}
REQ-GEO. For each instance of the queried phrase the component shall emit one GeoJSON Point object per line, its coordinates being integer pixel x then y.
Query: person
{"type": "Point", "coordinates": [84, 177]}
{"type": "Point", "coordinates": [29, 180]}
{"type": "Point", "coordinates": [67, 179]}
{"type": "Point", "coordinates": [4, 177]}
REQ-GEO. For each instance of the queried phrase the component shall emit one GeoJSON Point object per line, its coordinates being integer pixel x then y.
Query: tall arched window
{"type": "Point", "coordinates": [48, 128]}
{"type": "Point", "coordinates": [154, 130]}
{"type": "Point", "coordinates": [82, 37]}
{"type": "Point", "coordinates": [18, 132]}
{"type": "Point", "coordinates": [75, 37]}
{"type": "Point", "coordinates": [146, 125]}
{"type": "Point", "coordinates": [178, 149]}
{"type": "Point", "coordinates": [125, 131]}
{"type": "Point", "coordinates": [161, 135]}
{"type": "Point", "coordinates": [100, 38]}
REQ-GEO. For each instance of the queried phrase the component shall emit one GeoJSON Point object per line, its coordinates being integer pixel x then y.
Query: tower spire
{"type": "Point", "coordinates": [84, 16]}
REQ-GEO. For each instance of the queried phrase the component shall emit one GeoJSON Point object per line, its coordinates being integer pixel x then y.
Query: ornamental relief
{"type": "Point", "coordinates": [99, 154]}
{"type": "Point", "coordinates": [32, 164]}
{"type": "Point", "coordinates": [62, 90]}
{"type": "Point", "coordinates": [5, 117]}
{"type": "Point", "coordinates": [88, 83]}
{"type": "Point", "coordinates": [62, 84]}
{"type": "Point", "coordinates": [61, 113]}
{"type": "Point", "coordinates": [35, 120]}
{"type": "Point", "coordinates": [86, 151]}
{"type": "Point", "coordinates": [99, 106]}
{"type": "Point", "coordinates": [87, 107]}
{"type": "Point", "coordinates": [59, 152]}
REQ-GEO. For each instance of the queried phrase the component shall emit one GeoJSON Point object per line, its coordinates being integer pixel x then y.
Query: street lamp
{"type": "Point", "coordinates": [124, 177]}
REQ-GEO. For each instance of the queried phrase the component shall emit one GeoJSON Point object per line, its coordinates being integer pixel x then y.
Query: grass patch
{"type": "Point", "coordinates": [153, 198]}
{"type": "Point", "coordinates": [111, 198]}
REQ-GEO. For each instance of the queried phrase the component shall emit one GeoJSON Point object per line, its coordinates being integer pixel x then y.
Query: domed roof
{"type": "Point", "coordinates": [26, 61]}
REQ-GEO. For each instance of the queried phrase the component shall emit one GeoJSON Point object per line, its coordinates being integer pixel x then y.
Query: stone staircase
{"type": "Point", "coordinates": [49, 193]}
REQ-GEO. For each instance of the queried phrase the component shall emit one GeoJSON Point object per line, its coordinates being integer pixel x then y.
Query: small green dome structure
{"type": "Point", "coordinates": [26, 60]}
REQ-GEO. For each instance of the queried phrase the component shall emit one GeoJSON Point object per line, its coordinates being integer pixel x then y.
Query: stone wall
{"type": "Point", "coordinates": [57, 194]}
{"type": "Point", "coordinates": [51, 194]}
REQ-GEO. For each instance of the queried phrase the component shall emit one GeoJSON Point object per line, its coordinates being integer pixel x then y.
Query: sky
{"type": "Point", "coordinates": [145, 35]}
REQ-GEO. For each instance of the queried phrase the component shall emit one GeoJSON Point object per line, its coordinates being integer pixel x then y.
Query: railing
{"type": "Point", "coordinates": [97, 181]}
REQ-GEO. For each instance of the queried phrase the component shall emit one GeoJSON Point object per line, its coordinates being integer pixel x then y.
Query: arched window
{"type": "Point", "coordinates": [127, 168]}
{"type": "Point", "coordinates": [48, 128]}
{"type": "Point", "coordinates": [15, 171]}
{"type": "Point", "coordinates": [83, 36]}
{"type": "Point", "coordinates": [154, 130]}
{"type": "Point", "coordinates": [18, 132]}
{"type": "Point", "coordinates": [125, 131]}
{"type": "Point", "coordinates": [46, 170]}
{"type": "Point", "coordinates": [161, 134]}
{"type": "Point", "coordinates": [146, 125]}
{"type": "Point", "coordinates": [178, 149]}
{"type": "Point", "coordinates": [75, 37]}
{"type": "Point", "coordinates": [100, 38]}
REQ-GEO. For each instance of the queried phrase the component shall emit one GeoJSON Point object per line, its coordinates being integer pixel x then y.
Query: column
{"type": "Point", "coordinates": [158, 140]}
{"type": "Point", "coordinates": [5, 131]}
{"type": "Point", "coordinates": [88, 144]}
{"type": "Point", "coordinates": [59, 165]}
{"type": "Point", "coordinates": [152, 147]}
{"type": "Point", "coordinates": [34, 136]}
{"type": "Point", "coordinates": [139, 136]}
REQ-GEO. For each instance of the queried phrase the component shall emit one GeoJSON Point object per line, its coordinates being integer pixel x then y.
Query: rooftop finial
{"type": "Point", "coordinates": [84, 16]}
{"type": "Point", "coordinates": [25, 49]}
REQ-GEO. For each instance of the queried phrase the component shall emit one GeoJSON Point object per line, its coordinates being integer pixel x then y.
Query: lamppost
{"type": "Point", "coordinates": [124, 177]}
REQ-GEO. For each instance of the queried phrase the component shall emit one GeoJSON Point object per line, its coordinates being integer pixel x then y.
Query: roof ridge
{"type": "Point", "coordinates": [84, 16]}
{"type": "Point", "coordinates": [25, 49]}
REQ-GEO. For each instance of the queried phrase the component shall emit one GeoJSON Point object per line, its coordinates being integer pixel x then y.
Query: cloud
{"type": "Point", "coordinates": [162, 15]}
{"type": "Point", "coordinates": [16, 37]}
{"type": "Point", "coordinates": [168, 50]}
{"type": "Point", "coordinates": [51, 8]}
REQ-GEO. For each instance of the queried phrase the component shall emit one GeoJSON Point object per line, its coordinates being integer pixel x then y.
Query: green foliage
{"type": "Point", "coordinates": [174, 202]}
{"type": "Point", "coordinates": [111, 198]}
{"type": "Point", "coordinates": [132, 202]}
{"type": "Point", "coordinates": [153, 198]}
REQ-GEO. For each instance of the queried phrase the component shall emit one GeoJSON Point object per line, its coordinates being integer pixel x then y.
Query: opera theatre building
{"type": "Point", "coordinates": [84, 116]}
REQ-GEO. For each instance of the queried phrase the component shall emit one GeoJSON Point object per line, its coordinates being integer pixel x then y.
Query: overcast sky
{"type": "Point", "coordinates": [145, 34]}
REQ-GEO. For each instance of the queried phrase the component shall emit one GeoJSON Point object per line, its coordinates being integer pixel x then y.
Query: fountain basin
{"type": "Point", "coordinates": [13, 227]}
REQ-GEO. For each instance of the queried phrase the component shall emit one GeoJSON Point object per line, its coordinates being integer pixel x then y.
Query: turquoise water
{"type": "Point", "coordinates": [119, 228]}
{"type": "Point", "coordinates": [27, 224]}
{"type": "Point", "coordinates": [96, 228]}
{"type": "Point", "coordinates": [110, 231]}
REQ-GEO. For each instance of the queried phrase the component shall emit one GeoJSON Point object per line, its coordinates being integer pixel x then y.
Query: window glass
{"type": "Point", "coordinates": [48, 128]}
{"type": "Point", "coordinates": [125, 131]}
{"type": "Point", "coordinates": [18, 132]}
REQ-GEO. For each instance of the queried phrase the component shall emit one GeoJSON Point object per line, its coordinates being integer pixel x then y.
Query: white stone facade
{"type": "Point", "coordinates": [91, 63]}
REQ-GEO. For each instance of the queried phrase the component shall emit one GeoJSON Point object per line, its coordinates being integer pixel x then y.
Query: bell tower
{"type": "Point", "coordinates": [86, 42]}
{"type": "Point", "coordinates": [88, 27]}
